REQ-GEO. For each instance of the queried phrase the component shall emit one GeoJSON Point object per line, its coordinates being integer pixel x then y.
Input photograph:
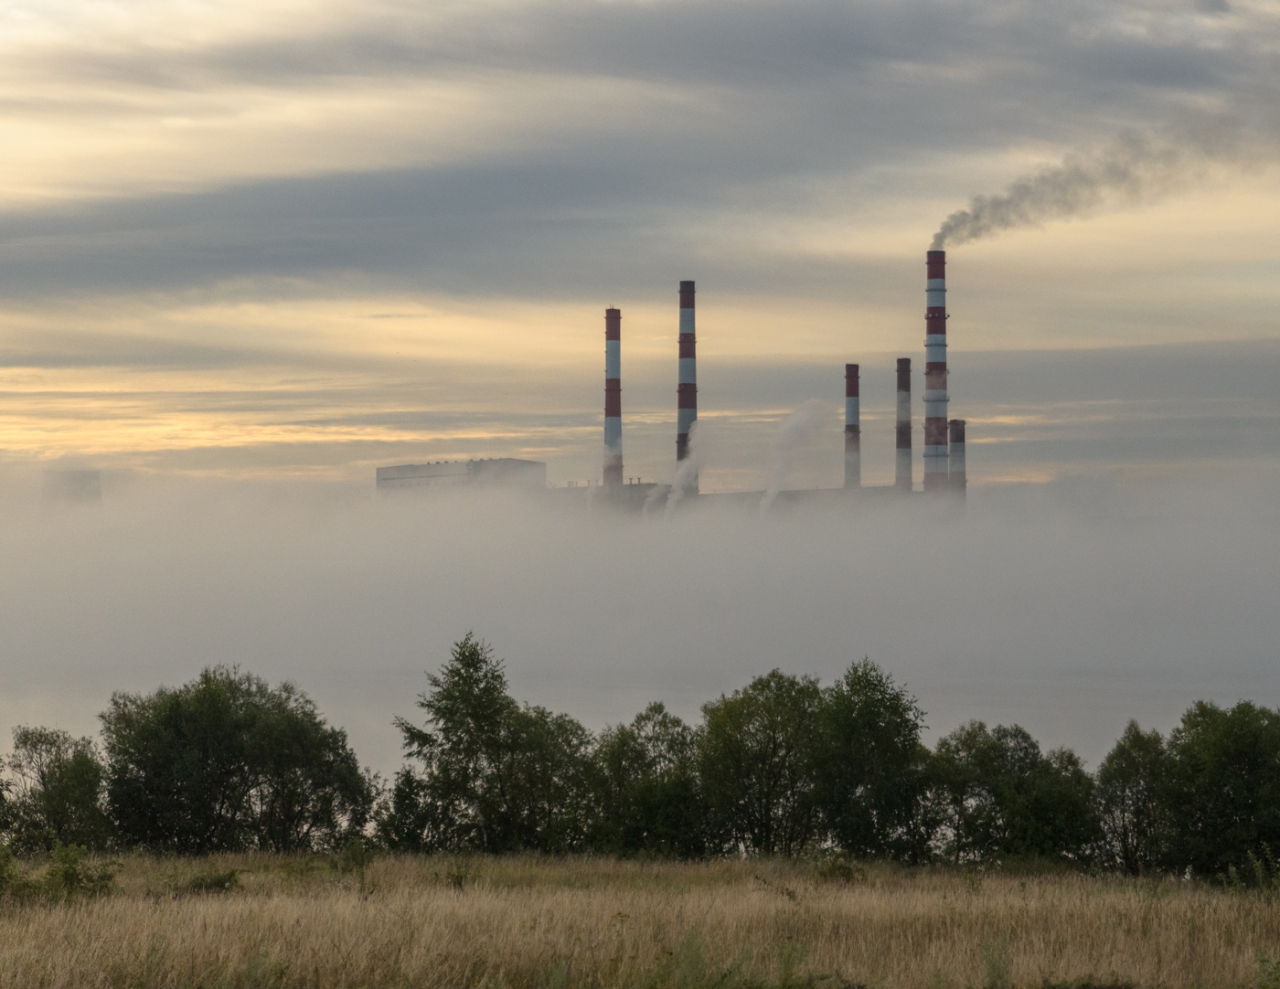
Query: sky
{"type": "Point", "coordinates": [253, 239]}
{"type": "Point", "coordinates": [251, 251]}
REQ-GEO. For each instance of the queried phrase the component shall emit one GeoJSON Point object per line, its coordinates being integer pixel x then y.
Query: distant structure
{"type": "Point", "coordinates": [613, 397]}
{"type": "Point", "coordinates": [956, 472]}
{"type": "Point", "coordinates": [935, 373]}
{"type": "Point", "coordinates": [503, 472]}
{"type": "Point", "coordinates": [902, 462]}
{"type": "Point", "coordinates": [71, 487]}
{"type": "Point", "coordinates": [944, 439]}
{"type": "Point", "coordinates": [687, 386]}
{"type": "Point", "coordinates": [852, 429]}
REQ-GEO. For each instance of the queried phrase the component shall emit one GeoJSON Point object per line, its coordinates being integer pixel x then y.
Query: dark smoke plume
{"type": "Point", "coordinates": [1137, 167]}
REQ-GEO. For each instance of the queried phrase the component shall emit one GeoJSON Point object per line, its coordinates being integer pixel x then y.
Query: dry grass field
{"type": "Point", "coordinates": [562, 924]}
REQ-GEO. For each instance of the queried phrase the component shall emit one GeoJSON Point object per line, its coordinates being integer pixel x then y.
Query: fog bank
{"type": "Point", "coordinates": [1067, 608]}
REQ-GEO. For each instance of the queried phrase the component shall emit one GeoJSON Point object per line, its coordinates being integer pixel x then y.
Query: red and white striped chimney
{"type": "Point", "coordinates": [957, 477]}
{"type": "Point", "coordinates": [852, 429]}
{"type": "Point", "coordinates": [935, 374]}
{"type": "Point", "coordinates": [687, 390]}
{"type": "Point", "coordinates": [612, 397]}
{"type": "Point", "coordinates": [902, 463]}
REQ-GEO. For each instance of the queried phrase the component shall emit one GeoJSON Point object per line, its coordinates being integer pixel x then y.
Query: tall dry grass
{"type": "Point", "coordinates": [550, 924]}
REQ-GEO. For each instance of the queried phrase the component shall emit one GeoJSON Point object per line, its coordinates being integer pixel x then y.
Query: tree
{"type": "Point", "coordinates": [549, 782]}
{"type": "Point", "coordinates": [494, 776]}
{"type": "Point", "coordinates": [57, 790]}
{"type": "Point", "coordinates": [757, 762]}
{"type": "Point", "coordinates": [1223, 787]}
{"type": "Point", "coordinates": [1001, 796]}
{"type": "Point", "coordinates": [1131, 816]}
{"type": "Point", "coordinates": [227, 762]}
{"type": "Point", "coordinates": [649, 794]}
{"type": "Point", "coordinates": [871, 765]}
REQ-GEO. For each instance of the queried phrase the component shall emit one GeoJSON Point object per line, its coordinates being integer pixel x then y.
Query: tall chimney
{"type": "Point", "coordinates": [612, 397]}
{"type": "Point", "coordinates": [956, 477]}
{"type": "Point", "coordinates": [852, 429]}
{"type": "Point", "coordinates": [935, 373]}
{"type": "Point", "coordinates": [902, 465]}
{"type": "Point", "coordinates": [687, 390]}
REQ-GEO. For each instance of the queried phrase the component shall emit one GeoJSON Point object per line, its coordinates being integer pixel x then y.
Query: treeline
{"type": "Point", "coordinates": [780, 767]}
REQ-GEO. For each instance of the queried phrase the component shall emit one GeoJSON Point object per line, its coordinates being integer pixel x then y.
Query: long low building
{"type": "Point", "coordinates": [498, 472]}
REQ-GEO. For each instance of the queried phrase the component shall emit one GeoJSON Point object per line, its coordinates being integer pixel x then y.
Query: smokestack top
{"type": "Point", "coordinates": [904, 364]}
{"type": "Point", "coordinates": [613, 324]}
{"type": "Point", "coordinates": [686, 295]}
{"type": "Point", "coordinates": [851, 381]}
{"type": "Point", "coordinates": [936, 262]}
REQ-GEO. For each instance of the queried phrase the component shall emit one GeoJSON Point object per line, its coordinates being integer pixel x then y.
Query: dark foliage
{"type": "Point", "coordinates": [872, 770]}
{"type": "Point", "coordinates": [998, 795]}
{"type": "Point", "coordinates": [1222, 789]}
{"type": "Point", "coordinates": [226, 762]}
{"type": "Point", "coordinates": [650, 794]}
{"type": "Point", "coordinates": [55, 793]}
{"type": "Point", "coordinates": [492, 775]}
{"type": "Point", "coordinates": [1132, 815]}
{"type": "Point", "coordinates": [759, 758]}
{"type": "Point", "coordinates": [780, 767]}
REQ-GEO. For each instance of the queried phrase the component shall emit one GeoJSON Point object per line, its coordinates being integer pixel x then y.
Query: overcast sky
{"type": "Point", "coordinates": [305, 237]}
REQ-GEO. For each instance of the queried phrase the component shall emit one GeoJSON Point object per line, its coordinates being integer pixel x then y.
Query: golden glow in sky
{"type": "Point", "coordinates": [309, 238]}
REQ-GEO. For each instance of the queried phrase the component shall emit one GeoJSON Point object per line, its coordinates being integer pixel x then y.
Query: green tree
{"type": "Point", "coordinates": [757, 761]}
{"type": "Point", "coordinates": [871, 766]}
{"type": "Point", "coordinates": [650, 798]}
{"type": "Point", "coordinates": [493, 775]}
{"type": "Point", "coordinates": [410, 819]}
{"type": "Point", "coordinates": [550, 782]}
{"type": "Point", "coordinates": [57, 792]}
{"type": "Point", "coordinates": [1223, 787]}
{"type": "Point", "coordinates": [1131, 815]}
{"type": "Point", "coordinates": [999, 795]}
{"type": "Point", "coordinates": [227, 762]}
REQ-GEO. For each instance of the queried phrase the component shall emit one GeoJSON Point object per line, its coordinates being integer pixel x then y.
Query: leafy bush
{"type": "Point", "coordinates": [71, 873]}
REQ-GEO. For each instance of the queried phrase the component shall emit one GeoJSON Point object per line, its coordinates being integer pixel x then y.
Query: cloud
{"type": "Point", "coordinates": [528, 148]}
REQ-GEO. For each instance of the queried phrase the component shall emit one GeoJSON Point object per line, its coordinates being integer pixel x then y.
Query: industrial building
{"type": "Point", "coordinates": [944, 458]}
{"type": "Point", "coordinates": [499, 472]}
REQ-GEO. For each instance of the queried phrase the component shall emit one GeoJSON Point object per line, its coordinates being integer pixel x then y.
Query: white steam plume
{"type": "Point", "coordinates": [796, 430]}
{"type": "Point", "coordinates": [686, 479]}
{"type": "Point", "coordinates": [1138, 166]}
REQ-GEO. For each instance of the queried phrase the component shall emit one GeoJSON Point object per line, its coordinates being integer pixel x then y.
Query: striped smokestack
{"type": "Point", "coordinates": [902, 465]}
{"type": "Point", "coordinates": [956, 476]}
{"type": "Point", "coordinates": [612, 397]}
{"type": "Point", "coordinates": [935, 373]}
{"type": "Point", "coordinates": [687, 390]}
{"type": "Point", "coordinates": [852, 429]}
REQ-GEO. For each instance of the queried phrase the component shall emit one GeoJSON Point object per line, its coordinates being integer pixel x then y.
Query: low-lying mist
{"type": "Point", "coordinates": [1067, 608]}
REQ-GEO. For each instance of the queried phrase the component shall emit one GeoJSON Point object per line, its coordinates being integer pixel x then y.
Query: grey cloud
{"type": "Point", "coordinates": [100, 349]}
{"type": "Point", "coordinates": [721, 42]}
{"type": "Point", "coordinates": [796, 94]}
